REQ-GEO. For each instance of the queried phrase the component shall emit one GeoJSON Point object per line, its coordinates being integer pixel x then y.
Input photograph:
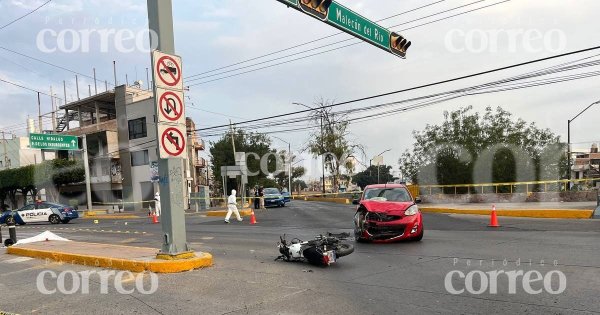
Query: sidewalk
{"type": "Point", "coordinates": [136, 259]}
{"type": "Point", "coordinates": [562, 210]}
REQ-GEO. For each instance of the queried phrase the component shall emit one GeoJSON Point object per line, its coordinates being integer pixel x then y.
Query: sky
{"type": "Point", "coordinates": [210, 34]}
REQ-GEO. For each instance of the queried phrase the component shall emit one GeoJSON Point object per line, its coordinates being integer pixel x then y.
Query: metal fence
{"type": "Point", "coordinates": [512, 187]}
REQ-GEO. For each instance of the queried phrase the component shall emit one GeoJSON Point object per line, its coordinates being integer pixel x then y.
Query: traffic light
{"type": "Point", "coordinates": [316, 8]}
{"type": "Point", "coordinates": [399, 44]}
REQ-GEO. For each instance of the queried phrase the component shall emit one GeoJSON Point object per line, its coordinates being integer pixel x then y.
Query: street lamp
{"type": "Point", "coordinates": [289, 164]}
{"type": "Point", "coordinates": [322, 144]}
{"type": "Point", "coordinates": [380, 154]}
{"type": "Point", "coordinates": [569, 138]}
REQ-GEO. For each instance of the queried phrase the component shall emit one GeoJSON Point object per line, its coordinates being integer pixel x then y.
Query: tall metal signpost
{"type": "Point", "coordinates": [171, 130]}
{"type": "Point", "coordinates": [352, 23]}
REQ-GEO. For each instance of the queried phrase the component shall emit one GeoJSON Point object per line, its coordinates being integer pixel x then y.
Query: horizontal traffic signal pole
{"type": "Point", "coordinates": [348, 21]}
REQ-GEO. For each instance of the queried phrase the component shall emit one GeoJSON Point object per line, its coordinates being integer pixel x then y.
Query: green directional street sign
{"type": "Point", "coordinates": [53, 142]}
{"type": "Point", "coordinates": [352, 23]}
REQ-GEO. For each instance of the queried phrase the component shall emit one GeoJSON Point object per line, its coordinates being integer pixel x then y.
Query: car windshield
{"type": "Point", "coordinates": [388, 194]}
{"type": "Point", "coordinates": [271, 191]}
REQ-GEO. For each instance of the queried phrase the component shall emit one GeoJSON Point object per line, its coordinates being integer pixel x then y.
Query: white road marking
{"type": "Point", "coordinates": [17, 260]}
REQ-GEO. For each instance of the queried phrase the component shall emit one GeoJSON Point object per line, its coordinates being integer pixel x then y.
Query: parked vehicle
{"type": "Point", "coordinates": [273, 198]}
{"type": "Point", "coordinates": [387, 213]}
{"type": "Point", "coordinates": [40, 212]}
{"type": "Point", "coordinates": [287, 197]}
{"type": "Point", "coordinates": [321, 251]}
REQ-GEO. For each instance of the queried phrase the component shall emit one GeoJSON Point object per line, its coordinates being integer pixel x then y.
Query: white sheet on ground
{"type": "Point", "coordinates": [46, 236]}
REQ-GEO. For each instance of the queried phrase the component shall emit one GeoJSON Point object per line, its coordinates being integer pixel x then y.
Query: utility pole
{"type": "Point", "coordinates": [160, 22]}
{"type": "Point", "coordinates": [77, 86]}
{"type": "Point", "coordinates": [232, 141]}
{"type": "Point", "coordinates": [5, 153]}
{"type": "Point", "coordinates": [39, 113]}
{"type": "Point", "coordinates": [95, 83]}
{"type": "Point", "coordinates": [290, 168]}
{"type": "Point", "coordinates": [86, 166]}
{"type": "Point", "coordinates": [322, 150]}
{"type": "Point", "coordinates": [569, 152]}
{"type": "Point", "coordinates": [53, 110]}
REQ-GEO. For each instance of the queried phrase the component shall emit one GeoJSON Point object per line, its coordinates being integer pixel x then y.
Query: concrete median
{"type": "Point", "coordinates": [135, 259]}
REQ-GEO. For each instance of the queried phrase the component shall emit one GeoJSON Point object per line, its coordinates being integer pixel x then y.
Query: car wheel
{"type": "Point", "coordinates": [66, 221]}
{"type": "Point", "coordinates": [54, 219]}
{"type": "Point", "coordinates": [10, 220]}
{"type": "Point", "coordinates": [420, 236]}
{"type": "Point", "coordinates": [358, 223]}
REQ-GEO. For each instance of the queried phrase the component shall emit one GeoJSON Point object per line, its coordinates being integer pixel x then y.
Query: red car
{"type": "Point", "coordinates": [387, 213]}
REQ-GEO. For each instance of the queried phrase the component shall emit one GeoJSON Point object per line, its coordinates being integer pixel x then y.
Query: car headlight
{"type": "Point", "coordinates": [412, 210]}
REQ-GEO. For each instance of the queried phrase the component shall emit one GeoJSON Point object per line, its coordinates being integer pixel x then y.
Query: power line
{"type": "Point", "coordinates": [306, 43]}
{"type": "Point", "coordinates": [504, 84]}
{"type": "Point", "coordinates": [56, 66]}
{"type": "Point", "coordinates": [413, 88]}
{"type": "Point", "coordinates": [337, 48]}
{"type": "Point", "coordinates": [22, 17]}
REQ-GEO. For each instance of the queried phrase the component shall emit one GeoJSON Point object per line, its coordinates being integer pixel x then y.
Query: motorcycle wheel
{"type": "Point", "coordinates": [344, 249]}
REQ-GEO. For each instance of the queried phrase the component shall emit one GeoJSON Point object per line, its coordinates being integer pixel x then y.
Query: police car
{"type": "Point", "coordinates": [40, 212]}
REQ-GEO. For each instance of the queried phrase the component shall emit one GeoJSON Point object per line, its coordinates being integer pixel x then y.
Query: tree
{"type": "Point", "coordinates": [369, 176]}
{"type": "Point", "coordinates": [221, 153]}
{"type": "Point", "coordinates": [282, 177]}
{"type": "Point", "coordinates": [331, 139]}
{"type": "Point", "coordinates": [299, 184]}
{"type": "Point", "coordinates": [468, 148]}
{"type": "Point", "coordinates": [30, 179]}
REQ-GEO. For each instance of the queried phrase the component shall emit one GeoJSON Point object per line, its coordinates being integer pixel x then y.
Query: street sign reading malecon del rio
{"type": "Point", "coordinates": [53, 142]}
{"type": "Point", "coordinates": [352, 23]}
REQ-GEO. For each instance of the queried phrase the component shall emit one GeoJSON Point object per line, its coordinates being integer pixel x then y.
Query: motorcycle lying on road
{"type": "Point", "coordinates": [323, 250]}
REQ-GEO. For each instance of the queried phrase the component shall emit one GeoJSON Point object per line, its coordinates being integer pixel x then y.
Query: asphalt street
{"type": "Point", "coordinates": [406, 277]}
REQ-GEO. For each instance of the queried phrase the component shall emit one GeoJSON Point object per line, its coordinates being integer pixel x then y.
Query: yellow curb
{"type": "Point", "coordinates": [111, 217]}
{"type": "Point", "coordinates": [90, 213]}
{"type": "Point", "coordinates": [157, 266]}
{"type": "Point", "coordinates": [222, 213]}
{"type": "Point", "coordinates": [526, 213]}
{"type": "Point", "coordinates": [186, 255]}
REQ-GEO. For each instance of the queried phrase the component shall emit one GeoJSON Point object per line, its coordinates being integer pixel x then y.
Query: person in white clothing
{"type": "Point", "coordinates": [232, 207]}
{"type": "Point", "coordinates": [157, 203]}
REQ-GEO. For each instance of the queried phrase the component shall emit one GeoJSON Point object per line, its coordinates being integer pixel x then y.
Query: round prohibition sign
{"type": "Point", "coordinates": [169, 75]}
{"type": "Point", "coordinates": [171, 106]}
{"type": "Point", "coordinates": [172, 137]}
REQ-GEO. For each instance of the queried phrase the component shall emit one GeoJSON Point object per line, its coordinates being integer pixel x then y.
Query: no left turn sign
{"type": "Point", "coordinates": [172, 142]}
{"type": "Point", "coordinates": [167, 71]}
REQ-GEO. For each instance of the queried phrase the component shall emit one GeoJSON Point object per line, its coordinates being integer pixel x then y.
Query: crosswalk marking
{"type": "Point", "coordinates": [17, 260]}
{"type": "Point", "coordinates": [78, 229]}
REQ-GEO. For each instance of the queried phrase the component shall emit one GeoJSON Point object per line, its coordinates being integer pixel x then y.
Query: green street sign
{"type": "Point", "coordinates": [53, 142]}
{"type": "Point", "coordinates": [357, 25]}
{"type": "Point", "coordinates": [352, 23]}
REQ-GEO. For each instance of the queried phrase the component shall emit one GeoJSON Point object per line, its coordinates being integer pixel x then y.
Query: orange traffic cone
{"type": "Point", "coordinates": [253, 218]}
{"type": "Point", "coordinates": [494, 218]}
{"type": "Point", "coordinates": [155, 219]}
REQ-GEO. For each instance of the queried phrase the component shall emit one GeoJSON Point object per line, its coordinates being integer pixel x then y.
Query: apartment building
{"type": "Point", "coordinates": [120, 127]}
